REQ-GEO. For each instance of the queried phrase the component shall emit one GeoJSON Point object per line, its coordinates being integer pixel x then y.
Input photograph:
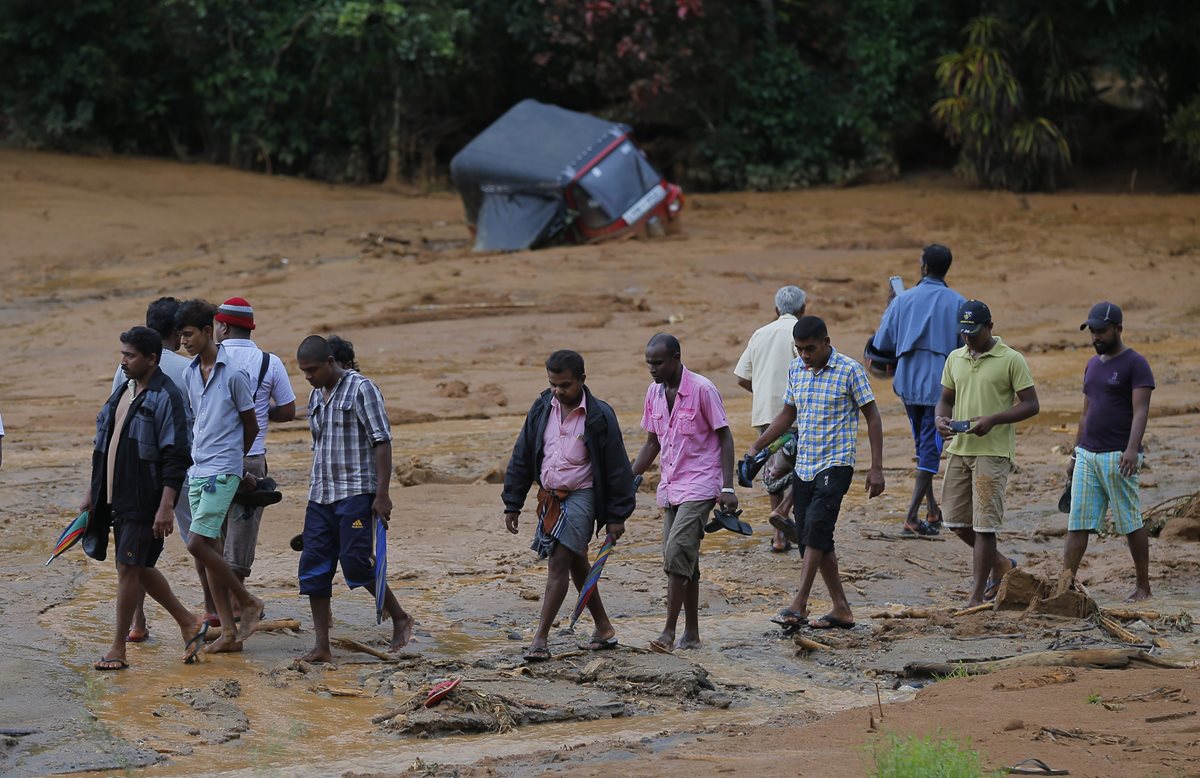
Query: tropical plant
{"type": "Point", "coordinates": [1183, 136]}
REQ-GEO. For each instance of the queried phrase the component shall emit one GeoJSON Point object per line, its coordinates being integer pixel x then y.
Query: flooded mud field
{"type": "Point", "coordinates": [456, 342]}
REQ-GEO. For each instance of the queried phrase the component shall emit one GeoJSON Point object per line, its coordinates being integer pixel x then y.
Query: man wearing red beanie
{"type": "Point", "coordinates": [274, 400]}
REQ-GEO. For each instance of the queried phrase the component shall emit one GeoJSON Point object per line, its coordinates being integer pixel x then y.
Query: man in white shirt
{"type": "Point", "coordinates": [763, 371]}
{"type": "Point", "coordinates": [274, 400]}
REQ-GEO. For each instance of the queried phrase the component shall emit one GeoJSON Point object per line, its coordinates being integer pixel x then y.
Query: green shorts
{"type": "Point", "coordinates": [209, 498]}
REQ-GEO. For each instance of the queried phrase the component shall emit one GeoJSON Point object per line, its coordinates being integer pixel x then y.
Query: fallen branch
{"type": "Point", "coordinates": [808, 644]}
{"type": "Point", "coordinates": [987, 606]}
{"type": "Point", "coordinates": [266, 625]}
{"type": "Point", "coordinates": [877, 535]}
{"type": "Point", "coordinates": [354, 645]}
{"type": "Point", "coordinates": [1120, 633]}
{"type": "Point", "coordinates": [906, 613]}
{"type": "Point", "coordinates": [1125, 614]}
{"type": "Point", "coordinates": [1112, 658]}
{"type": "Point", "coordinates": [1171, 716]}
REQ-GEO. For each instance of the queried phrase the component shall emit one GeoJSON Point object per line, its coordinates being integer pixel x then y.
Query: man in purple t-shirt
{"type": "Point", "coordinates": [1108, 444]}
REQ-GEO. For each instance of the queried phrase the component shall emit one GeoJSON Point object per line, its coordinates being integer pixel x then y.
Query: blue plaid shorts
{"type": "Point", "coordinates": [1096, 486]}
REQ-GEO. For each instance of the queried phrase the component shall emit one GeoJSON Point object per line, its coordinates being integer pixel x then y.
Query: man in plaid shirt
{"type": "Point", "coordinates": [352, 463]}
{"type": "Point", "coordinates": [825, 393]}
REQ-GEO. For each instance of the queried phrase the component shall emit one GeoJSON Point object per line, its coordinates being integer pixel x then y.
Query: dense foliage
{"type": "Point", "coordinates": [724, 93]}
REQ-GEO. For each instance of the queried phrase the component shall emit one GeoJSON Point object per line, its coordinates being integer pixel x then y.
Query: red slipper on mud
{"type": "Point", "coordinates": [439, 691]}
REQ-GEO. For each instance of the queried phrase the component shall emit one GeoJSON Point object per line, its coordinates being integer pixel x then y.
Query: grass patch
{"type": "Point", "coordinates": [959, 671]}
{"type": "Point", "coordinates": [1093, 699]}
{"type": "Point", "coordinates": [927, 757]}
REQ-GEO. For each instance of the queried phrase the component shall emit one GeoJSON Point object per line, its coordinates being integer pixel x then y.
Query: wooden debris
{"type": "Point", "coordinates": [1125, 614]}
{"type": "Point", "coordinates": [354, 645]}
{"type": "Point", "coordinates": [808, 644]}
{"type": "Point", "coordinates": [987, 606]}
{"type": "Point", "coordinates": [1120, 633]}
{"type": "Point", "coordinates": [1115, 658]}
{"type": "Point", "coordinates": [266, 625]}
{"type": "Point", "coordinates": [340, 692]}
{"type": "Point", "coordinates": [904, 613]}
{"type": "Point", "coordinates": [877, 535]}
{"type": "Point", "coordinates": [1171, 716]}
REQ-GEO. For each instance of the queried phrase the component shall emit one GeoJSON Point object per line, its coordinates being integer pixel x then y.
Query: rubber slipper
{"type": "Point", "coordinates": [137, 637]}
{"type": "Point", "coordinates": [106, 665]}
{"type": "Point", "coordinates": [829, 622]}
{"type": "Point", "coordinates": [1035, 767]}
{"type": "Point", "coordinates": [992, 587]}
{"type": "Point", "coordinates": [786, 526]}
{"type": "Point", "coordinates": [439, 691]}
{"type": "Point", "coordinates": [536, 655]}
{"type": "Point", "coordinates": [192, 648]}
{"type": "Point", "coordinates": [661, 648]}
{"type": "Point", "coordinates": [790, 620]}
{"type": "Point", "coordinates": [598, 644]}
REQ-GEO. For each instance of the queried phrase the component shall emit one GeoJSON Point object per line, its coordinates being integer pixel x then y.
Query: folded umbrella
{"type": "Point", "coordinates": [69, 537]}
{"type": "Point", "coordinates": [380, 568]}
{"type": "Point", "coordinates": [593, 579]}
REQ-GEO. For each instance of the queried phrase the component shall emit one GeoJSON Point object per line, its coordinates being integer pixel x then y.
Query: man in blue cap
{"type": "Point", "coordinates": [920, 327]}
{"type": "Point", "coordinates": [986, 389]}
{"type": "Point", "coordinates": [1117, 383]}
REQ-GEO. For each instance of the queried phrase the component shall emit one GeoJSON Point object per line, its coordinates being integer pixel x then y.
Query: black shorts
{"type": "Point", "coordinates": [136, 544]}
{"type": "Point", "coordinates": [817, 503]}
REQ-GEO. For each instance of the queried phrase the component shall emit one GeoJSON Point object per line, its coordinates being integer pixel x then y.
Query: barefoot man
{"type": "Point", "coordinates": [825, 393]}
{"type": "Point", "coordinates": [1117, 383]}
{"type": "Point", "coordinates": [684, 419]}
{"type": "Point", "coordinates": [352, 464]}
{"type": "Point", "coordinates": [571, 446]}
{"type": "Point", "coordinates": [139, 465]}
{"type": "Point", "coordinates": [987, 386]}
{"type": "Point", "coordinates": [223, 431]}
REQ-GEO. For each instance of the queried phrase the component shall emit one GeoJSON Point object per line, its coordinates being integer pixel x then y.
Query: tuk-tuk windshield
{"type": "Point", "coordinates": [615, 183]}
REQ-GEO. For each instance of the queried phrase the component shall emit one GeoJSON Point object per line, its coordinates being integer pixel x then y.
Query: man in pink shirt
{"type": "Point", "coordinates": [571, 446]}
{"type": "Point", "coordinates": [685, 422]}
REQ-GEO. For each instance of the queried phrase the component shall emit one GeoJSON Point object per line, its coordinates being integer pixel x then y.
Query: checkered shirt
{"type": "Point", "coordinates": [827, 403]}
{"type": "Point", "coordinates": [345, 430]}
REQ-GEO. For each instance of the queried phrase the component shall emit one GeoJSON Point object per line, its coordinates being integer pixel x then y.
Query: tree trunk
{"type": "Point", "coordinates": [394, 152]}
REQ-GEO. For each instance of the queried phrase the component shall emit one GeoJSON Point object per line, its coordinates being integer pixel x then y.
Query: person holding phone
{"type": "Point", "coordinates": [988, 385]}
{"type": "Point", "coordinates": [920, 326]}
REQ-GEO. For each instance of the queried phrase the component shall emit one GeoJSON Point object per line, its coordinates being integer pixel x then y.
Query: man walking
{"type": "Point", "coordinates": [160, 317]}
{"type": "Point", "coordinates": [763, 371]}
{"type": "Point", "coordinates": [1117, 383]}
{"type": "Point", "coordinates": [274, 400]}
{"type": "Point", "coordinates": [139, 463]}
{"type": "Point", "coordinates": [352, 464]}
{"type": "Point", "coordinates": [987, 387]}
{"type": "Point", "coordinates": [224, 429]}
{"type": "Point", "coordinates": [825, 393]}
{"type": "Point", "coordinates": [684, 419]}
{"type": "Point", "coordinates": [571, 446]}
{"type": "Point", "coordinates": [920, 327]}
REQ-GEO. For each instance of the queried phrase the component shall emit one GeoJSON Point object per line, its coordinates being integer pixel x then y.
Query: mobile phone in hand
{"type": "Point", "coordinates": [897, 284]}
{"type": "Point", "coordinates": [959, 425]}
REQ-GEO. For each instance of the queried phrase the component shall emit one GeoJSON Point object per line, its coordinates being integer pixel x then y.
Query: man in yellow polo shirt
{"type": "Point", "coordinates": [986, 389]}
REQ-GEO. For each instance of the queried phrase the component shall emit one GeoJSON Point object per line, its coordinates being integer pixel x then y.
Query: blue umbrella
{"type": "Point", "coordinates": [380, 568]}
{"type": "Point", "coordinates": [592, 580]}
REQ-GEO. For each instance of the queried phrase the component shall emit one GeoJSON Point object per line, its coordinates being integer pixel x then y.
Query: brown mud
{"type": "Point", "coordinates": [456, 342]}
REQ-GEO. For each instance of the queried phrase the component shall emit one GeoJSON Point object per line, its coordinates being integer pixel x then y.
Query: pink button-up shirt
{"type": "Point", "coordinates": [565, 461]}
{"type": "Point", "coordinates": [689, 459]}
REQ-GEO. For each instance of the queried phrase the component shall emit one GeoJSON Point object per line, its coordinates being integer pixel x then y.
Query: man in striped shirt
{"type": "Point", "coordinates": [352, 464]}
{"type": "Point", "coordinates": [826, 391]}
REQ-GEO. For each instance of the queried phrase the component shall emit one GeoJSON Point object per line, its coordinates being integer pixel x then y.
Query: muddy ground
{"type": "Point", "coordinates": [456, 343]}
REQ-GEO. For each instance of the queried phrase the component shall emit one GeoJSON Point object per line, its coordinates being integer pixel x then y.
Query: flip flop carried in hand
{"type": "Point", "coordinates": [1035, 767]}
{"type": "Point", "coordinates": [192, 649]}
{"type": "Point", "coordinates": [105, 665]}
{"type": "Point", "coordinates": [600, 644]}
{"type": "Point", "coordinates": [828, 621]}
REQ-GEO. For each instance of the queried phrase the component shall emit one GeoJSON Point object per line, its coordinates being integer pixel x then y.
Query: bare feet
{"type": "Point", "coordinates": [688, 642]}
{"type": "Point", "coordinates": [402, 630]}
{"type": "Point", "coordinates": [665, 643]}
{"type": "Point", "coordinates": [1139, 594]}
{"type": "Point", "coordinates": [250, 620]}
{"type": "Point", "coordinates": [136, 635]}
{"type": "Point", "coordinates": [1066, 579]}
{"type": "Point", "coordinates": [317, 655]}
{"type": "Point", "coordinates": [224, 645]}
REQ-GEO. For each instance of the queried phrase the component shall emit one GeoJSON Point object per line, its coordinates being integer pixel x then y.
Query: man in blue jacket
{"type": "Point", "coordinates": [921, 327]}
{"type": "Point", "coordinates": [139, 463]}
{"type": "Point", "coordinates": [571, 446]}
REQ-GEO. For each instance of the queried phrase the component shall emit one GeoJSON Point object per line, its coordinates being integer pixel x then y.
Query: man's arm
{"type": "Point", "coordinates": [1027, 406]}
{"type": "Point", "coordinates": [645, 457]}
{"type": "Point", "coordinates": [875, 485]}
{"type": "Point", "coordinates": [782, 422]}
{"type": "Point", "coordinates": [728, 499]}
{"type": "Point", "coordinates": [944, 412]}
{"type": "Point", "coordinates": [519, 475]}
{"type": "Point", "coordinates": [249, 429]}
{"type": "Point", "coordinates": [622, 497]}
{"type": "Point", "coordinates": [281, 413]}
{"type": "Point", "coordinates": [745, 383]}
{"type": "Point", "coordinates": [1141, 412]}
{"type": "Point", "coordinates": [382, 507]}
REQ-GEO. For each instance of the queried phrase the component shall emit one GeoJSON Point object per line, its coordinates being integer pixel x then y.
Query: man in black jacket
{"type": "Point", "coordinates": [139, 462]}
{"type": "Point", "coordinates": [571, 446]}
